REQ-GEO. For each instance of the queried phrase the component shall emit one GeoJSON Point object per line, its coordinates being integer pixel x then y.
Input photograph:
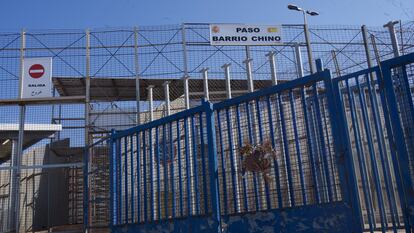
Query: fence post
{"type": "Point", "coordinates": [112, 165]}
{"type": "Point", "coordinates": [213, 167]}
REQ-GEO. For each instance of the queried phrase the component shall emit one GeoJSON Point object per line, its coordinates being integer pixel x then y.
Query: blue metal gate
{"type": "Point", "coordinates": [341, 160]}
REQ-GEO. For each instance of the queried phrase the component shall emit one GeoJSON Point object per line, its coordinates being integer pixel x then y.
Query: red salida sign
{"type": "Point", "coordinates": [36, 71]}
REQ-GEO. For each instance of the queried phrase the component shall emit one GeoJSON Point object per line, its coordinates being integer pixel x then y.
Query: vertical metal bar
{"type": "Point", "coordinates": [185, 68]}
{"type": "Point", "coordinates": [250, 85]}
{"type": "Point", "coordinates": [393, 36]}
{"type": "Point", "coordinates": [151, 103]}
{"type": "Point", "coordinates": [361, 157]}
{"type": "Point", "coordinates": [226, 68]}
{"type": "Point", "coordinates": [382, 152]}
{"type": "Point", "coordinates": [151, 164]}
{"type": "Point", "coordinates": [204, 71]}
{"type": "Point", "coordinates": [286, 152]}
{"type": "Point", "coordinates": [186, 92]}
{"type": "Point", "coordinates": [87, 128]}
{"type": "Point", "coordinates": [374, 165]}
{"type": "Point", "coordinates": [223, 165]}
{"type": "Point", "coordinates": [187, 166]}
{"type": "Point", "coordinates": [157, 147]}
{"type": "Point", "coordinates": [144, 175]}
{"type": "Point", "coordinates": [138, 142]}
{"type": "Point", "coordinates": [345, 160]}
{"type": "Point", "coordinates": [322, 141]}
{"type": "Point", "coordinates": [308, 46]}
{"type": "Point", "coordinates": [275, 162]}
{"type": "Point", "coordinates": [112, 175]}
{"type": "Point", "coordinates": [240, 137]}
{"type": "Point", "coordinates": [259, 122]}
{"type": "Point", "coordinates": [132, 179]}
{"type": "Point", "coordinates": [180, 178]}
{"type": "Point", "coordinates": [297, 145]}
{"type": "Point", "coordinates": [234, 172]}
{"type": "Point", "coordinates": [126, 177]}
{"type": "Point", "coordinates": [167, 97]}
{"type": "Point", "coordinates": [119, 181]}
{"type": "Point", "coordinates": [310, 150]}
{"type": "Point", "coordinates": [203, 162]}
{"type": "Point", "coordinates": [172, 174]}
{"type": "Point", "coordinates": [250, 133]}
{"type": "Point", "coordinates": [137, 84]}
{"type": "Point", "coordinates": [213, 168]}
{"type": "Point", "coordinates": [298, 57]}
{"type": "Point", "coordinates": [273, 70]}
{"type": "Point", "coordinates": [195, 170]}
{"type": "Point", "coordinates": [336, 63]}
{"type": "Point", "coordinates": [14, 218]}
{"type": "Point", "coordinates": [165, 170]}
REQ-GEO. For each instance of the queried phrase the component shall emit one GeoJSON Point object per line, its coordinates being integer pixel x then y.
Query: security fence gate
{"type": "Point", "coordinates": [311, 155]}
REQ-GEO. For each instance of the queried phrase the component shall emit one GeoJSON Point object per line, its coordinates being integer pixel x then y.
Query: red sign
{"type": "Point", "coordinates": [36, 71]}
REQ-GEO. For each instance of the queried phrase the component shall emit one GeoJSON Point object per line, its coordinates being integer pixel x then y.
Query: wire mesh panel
{"type": "Point", "coordinates": [276, 151]}
{"type": "Point", "coordinates": [161, 170]}
{"type": "Point", "coordinates": [376, 103]}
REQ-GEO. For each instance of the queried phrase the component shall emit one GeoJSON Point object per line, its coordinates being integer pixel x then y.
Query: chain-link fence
{"type": "Point", "coordinates": [103, 66]}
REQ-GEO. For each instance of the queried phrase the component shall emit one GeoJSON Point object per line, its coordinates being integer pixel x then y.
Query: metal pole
{"type": "Point", "coordinates": [366, 45]}
{"type": "Point", "coordinates": [87, 125]}
{"type": "Point", "coordinates": [204, 71]}
{"type": "Point", "coordinates": [151, 104]}
{"type": "Point", "coordinates": [271, 56]}
{"type": "Point", "coordinates": [137, 86]}
{"type": "Point", "coordinates": [226, 68]}
{"type": "Point", "coordinates": [186, 92]}
{"type": "Point", "coordinates": [393, 36]}
{"type": "Point", "coordinates": [248, 63]}
{"type": "Point", "coordinates": [16, 162]}
{"type": "Point", "coordinates": [308, 44]}
{"type": "Point", "coordinates": [185, 66]}
{"type": "Point", "coordinates": [335, 60]}
{"type": "Point", "coordinates": [167, 97]}
{"type": "Point", "coordinates": [299, 65]}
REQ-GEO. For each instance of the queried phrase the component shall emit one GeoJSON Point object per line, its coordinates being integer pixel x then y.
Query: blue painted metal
{"type": "Point", "coordinates": [252, 140]}
{"type": "Point", "coordinates": [213, 168]}
{"type": "Point", "coordinates": [223, 166]}
{"type": "Point", "coordinates": [144, 175]}
{"type": "Point", "coordinates": [240, 138]}
{"type": "Point", "coordinates": [287, 155]}
{"type": "Point", "coordinates": [132, 178]}
{"type": "Point", "coordinates": [157, 146]}
{"type": "Point", "coordinates": [297, 146]}
{"type": "Point", "coordinates": [328, 114]}
{"type": "Point", "coordinates": [138, 142]}
{"type": "Point", "coordinates": [180, 176]}
{"type": "Point", "coordinates": [232, 159]}
{"type": "Point", "coordinates": [125, 140]}
{"type": "Point", "coordinates": [275, 162]}
{"type": "Point", "coordinates": [151, 159]}
{"type": "Point", "coordinates": [203, 161]}
{"type": "Point", "coordinates": [112, 179]}
{"type": "Point", "coordinates": [137, 138]}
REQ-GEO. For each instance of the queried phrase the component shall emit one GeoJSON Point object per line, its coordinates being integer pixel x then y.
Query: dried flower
{"type": "Point", "coordinates": [258, 158]}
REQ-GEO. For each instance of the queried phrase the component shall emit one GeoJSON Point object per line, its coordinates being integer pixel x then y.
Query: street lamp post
{"type": "Point", "coordinates": [306, 29]}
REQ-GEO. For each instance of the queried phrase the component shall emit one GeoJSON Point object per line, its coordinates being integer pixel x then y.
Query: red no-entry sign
{"type": "Point", "coordinates": [36, 71]}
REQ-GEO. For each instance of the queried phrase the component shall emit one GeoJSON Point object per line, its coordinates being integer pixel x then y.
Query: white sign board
{"type": "Point", "coordinates": [37, 78]}
{"type": "Point", "coordinates": [241, 34]}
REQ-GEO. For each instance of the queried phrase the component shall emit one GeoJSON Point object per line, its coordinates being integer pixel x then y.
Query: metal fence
{"type": "Point", "coordinates": [113, 57]}
{"type": "Point", "coordinates": [309, 142]}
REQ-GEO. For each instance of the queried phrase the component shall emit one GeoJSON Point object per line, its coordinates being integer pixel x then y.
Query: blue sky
{"type": "Point", "coordinates": [56, 14]}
